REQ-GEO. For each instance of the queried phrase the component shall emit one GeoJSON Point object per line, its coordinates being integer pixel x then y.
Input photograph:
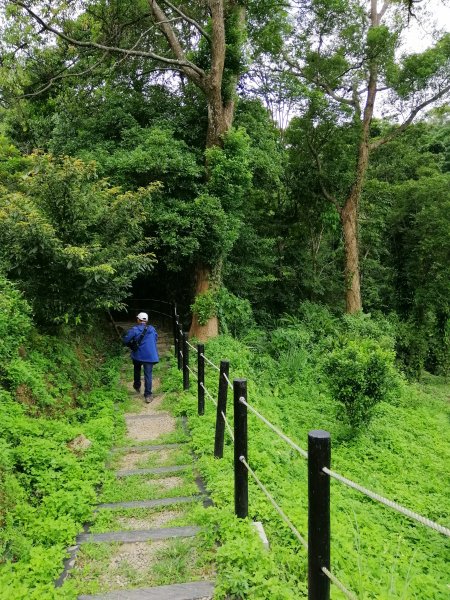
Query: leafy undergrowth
{"type": "Point", "coordinates": [58, 397]}
{"type": "Point", "coordinates": [402, 453]}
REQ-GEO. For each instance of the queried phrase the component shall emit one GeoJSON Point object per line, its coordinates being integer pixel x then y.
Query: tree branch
{"type": "Point", "coordinates": [181, 64]}
{"type": "Point", "coordinates": [328, 196]}
{"type": "Point", "coordinates": [322, 84]}
{"type": "Point", "coordinates": [393, 134]}
{"type": "Point", "coordinates": [63, 75]}
{"type": "Point", "coordinates": [189, 20]}
{"type": "Point", "coordinates": [194, 73]}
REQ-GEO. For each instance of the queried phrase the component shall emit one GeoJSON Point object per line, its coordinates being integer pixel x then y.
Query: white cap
{"type": "Point", "coordinates": [142, 317]}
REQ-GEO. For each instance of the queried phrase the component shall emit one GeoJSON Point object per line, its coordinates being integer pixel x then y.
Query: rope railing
{"type": "Point", "coordinates": [143, 300]}
{"type": "Point", "coordinates": [275, 429]}
{"type": "Point", "coordinates": [193, 373]}
{"type": "Point", "coordinates": [210, 362]}
{"type": "Point", "coordinates": [275, 505]}
{"type": "Point", "coordinates": [230, 385]}
{"type": "Point", "coordinates": [152, 310]}
{"type": "Point", "coordinates": [339, 584]}
{"type": "Point", "coordinates": [208, 394]}
{"type": "Point", "coordinates": [227, 425]}
{"type": "Point", "coordinates": [390, 503]}
{"type": "Point", "coordinates": [318, 465]}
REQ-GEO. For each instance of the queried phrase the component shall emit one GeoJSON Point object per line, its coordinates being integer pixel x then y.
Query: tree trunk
{"type": "Point", "coordinates": [211, 328]}
{"type": "Point", "coordinates": [349, 222]}
{"type": "Point", "coordinates": [220, 118]}
{"type": "Point", "coordinates": [349, 213]}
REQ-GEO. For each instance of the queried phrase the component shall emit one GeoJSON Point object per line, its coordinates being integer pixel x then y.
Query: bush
{"type": "Point", "coordinates": [15, 321]}
{"type": "Point", "coordinates": [235, 314]}
{"type": "Point", "coordinates": [360, 375]}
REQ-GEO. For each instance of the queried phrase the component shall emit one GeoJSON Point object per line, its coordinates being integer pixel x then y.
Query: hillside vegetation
{"type": "Point", "coordinates": [281, 172]}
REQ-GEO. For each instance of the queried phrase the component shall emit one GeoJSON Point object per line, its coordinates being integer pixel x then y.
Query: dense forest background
{"type": "Point", "coordinates": [112, 175]}
{"type": "Point", "coordinates": [281, 171]}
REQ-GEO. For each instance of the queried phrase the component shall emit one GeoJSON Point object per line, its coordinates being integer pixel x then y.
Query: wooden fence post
{"type": "Point", "coordinates": [221, 408]}
{"type": "Point", "coordinates": [201, 378]}
{"type": "Point", "coordinates": [180, 346]}
{"type": "Point", "coordinates": [240, 449]}
{"type": "Point", "coordinates": [319, 456]}
{"type": "Point", "coordinates": [175, 330]}
{"type": "Point", "coordinates": [185, 362]}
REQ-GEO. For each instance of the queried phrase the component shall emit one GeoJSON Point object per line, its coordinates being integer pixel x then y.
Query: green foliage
{"type": "Point", "coordinates": [361, 375]}
{"type": "Point", "coordinates": [235, 314]}
{"type": "Point", "coordinates": [15, 320]}
{"type": "Point", "coordinates": [144, 156]}
{"type": "Point", "coordinates": [73, 243]}
{"type": "Point", "coordinates": [229, 173]}
{"type": "Point", "coordinates": [205, 306]}
{"type": "Point", "coordinates": [412, 430]}
{"type": "Point", "coordinates": [47, 486]}
{"type": "Point", "coordinates": [419, 71]}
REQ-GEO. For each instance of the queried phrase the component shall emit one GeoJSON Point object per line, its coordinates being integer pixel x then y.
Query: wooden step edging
{"type": "Point", "coordinates": [178, 591]}
{"type": "Point", "coordinates": [150, 503]}
{"type": "Point", "coordinates": [147, 448]}
{"type": "Point", "coordinates": [152, 471]}
{"type": "Point", "coordinates": [138, 416]}
{"type": "Point", "coordinates": [139, 535]}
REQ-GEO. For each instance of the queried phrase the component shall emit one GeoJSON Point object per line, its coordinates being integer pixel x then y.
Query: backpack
{"type": "Point", "coordinates": [134, 343]}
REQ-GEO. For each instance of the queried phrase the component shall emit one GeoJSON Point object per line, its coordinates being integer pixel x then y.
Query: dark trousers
{"type": "Point", "coordinates": [148, 371]}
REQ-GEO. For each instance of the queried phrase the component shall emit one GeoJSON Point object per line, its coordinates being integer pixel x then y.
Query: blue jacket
{"type": "Point", "coordinates": [147, 351]}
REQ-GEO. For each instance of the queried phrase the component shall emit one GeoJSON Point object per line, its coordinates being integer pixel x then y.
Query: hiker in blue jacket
{"type": "Point", "coordinates": [145, 353]}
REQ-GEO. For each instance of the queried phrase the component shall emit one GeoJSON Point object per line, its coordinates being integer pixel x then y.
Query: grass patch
{"type": "Point", "coordinates": [146, 487]}
{"type": "Point", "coordinates": [123, 519]}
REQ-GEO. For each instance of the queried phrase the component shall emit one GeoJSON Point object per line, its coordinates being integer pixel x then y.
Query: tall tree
{"type": "Point", "coordinates": [203, 42]}
{"type": "Point", "coordinates": [347, 51]}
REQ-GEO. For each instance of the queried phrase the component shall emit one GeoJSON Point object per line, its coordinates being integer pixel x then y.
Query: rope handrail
{"type": "Point", "coordinates": [390, 503]}
{"type": "Point", "coordinates": [339, 584]}
{"type": "Point", "coordinates": [210, 362]}
{"type": "Point", "coordinates": [230, 385]}
{"type": "Point", "coordinates": [275, 429]}
{"type": "Point", "coordinates": [228, 426]}
{"type": "Point", "coordinates": [151, 300]}
{"type": "Point", "coordinates": [151, 310]}
{"type": "Point", "coordinates": [193, 373]}
{"type": "Point", "coordinates": [191, 346]}
{"type": "Point", "coordinates": [208, 394]}
{"type": "Point", "coordinates": [279, 510]}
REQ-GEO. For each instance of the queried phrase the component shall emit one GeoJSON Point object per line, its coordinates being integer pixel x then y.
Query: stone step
{"type": "Point", "coordinates": [140, 535]}
{"type": "Point", "coordinates": [152, 471]}
{"type": "Point", "coordinates": [147, 448]}
{"type": "Point", "coordinates": [133, 416]}
{"type": "Point", "coordinates": [194, 590]}
{"type": "Point", "coordinates": [151, 503]}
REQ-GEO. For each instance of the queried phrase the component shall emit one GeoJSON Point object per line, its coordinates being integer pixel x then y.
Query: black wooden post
{"type": "Point", "coordinates": [221, 408]}
{"type": "Point", "coordinates": [240, 449]}
{"type": "Point", "coordinates": [180, 347]}
{"type": "Point", "coordinates": [201, 378]}
{"type": "Point", "coordinates": [175, 329]}
{"type": "Point", "coordinates": [319, 456]}
{"type": "Point", "coordinates": [185, 362]}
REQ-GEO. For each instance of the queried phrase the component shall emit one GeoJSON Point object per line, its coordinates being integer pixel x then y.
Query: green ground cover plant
{"type": "Point", "coordinates": [401, 452]}
{"type": "Point", "coordinates": [106, 520]}
{"type": "Point", "coordinates": [144, 487]}
{"type": "Point", "coordinates": [59, 389]}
